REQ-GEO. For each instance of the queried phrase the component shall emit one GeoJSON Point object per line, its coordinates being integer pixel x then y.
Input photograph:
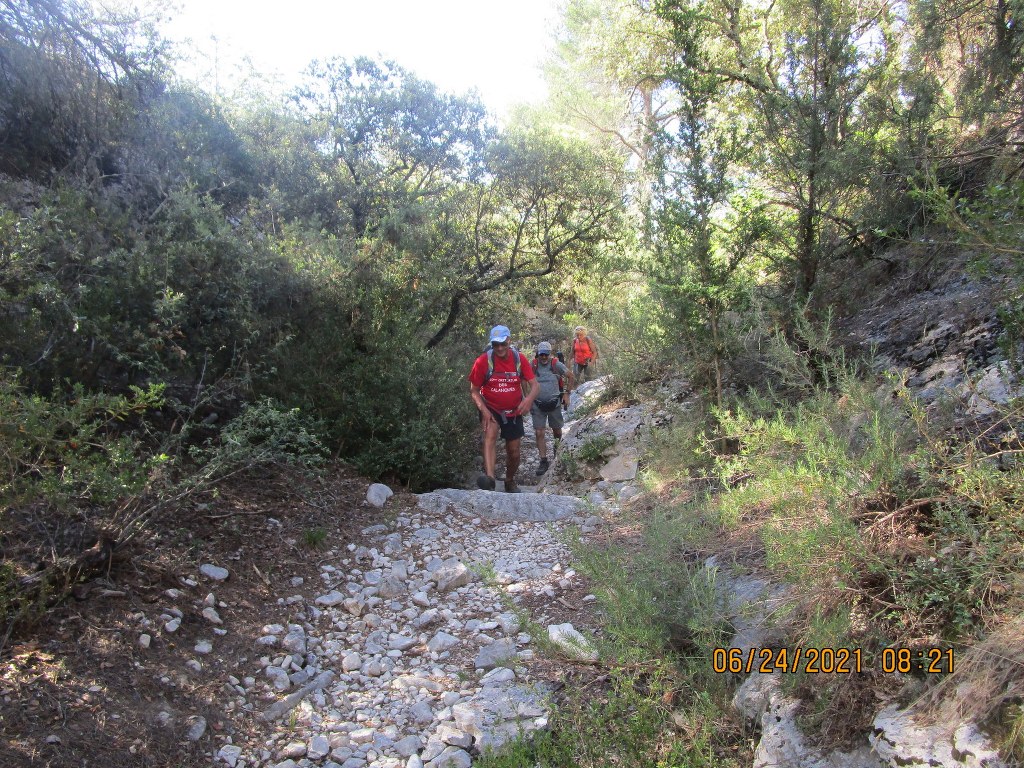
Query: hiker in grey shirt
{"type": "Point", "coordinates": [555, 381]}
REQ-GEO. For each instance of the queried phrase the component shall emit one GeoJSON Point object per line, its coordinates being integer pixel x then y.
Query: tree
{"type": "Point", "coordinates": [608, 80]}
{"type": "Point", "coordinates": [70, 80]}
{"type": "Point", "coordinates": [545, 200]}
{"type": "Point", "coordinates": [808, 76]}
{"type": "Point", "coordinates": [705, 229]}
{"type": "Point", "coordinates": [444, 209]}
{"type": "Point", "coordinates": [388, 141]}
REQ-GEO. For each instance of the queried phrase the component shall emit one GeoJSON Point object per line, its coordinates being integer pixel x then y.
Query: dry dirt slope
{"type": "Point", "coordinates": [77, 689]}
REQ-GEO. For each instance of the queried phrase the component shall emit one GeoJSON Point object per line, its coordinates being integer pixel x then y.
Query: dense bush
{"type": "Point", "coordinates": [76, 450]}
{"type": "Point", "coordinates": [387, 404]}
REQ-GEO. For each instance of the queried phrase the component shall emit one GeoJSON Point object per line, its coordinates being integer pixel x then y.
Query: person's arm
{"type": "Point", "coordinates": [531, 392]}
{"type": "Point", "coordinates": [478, 401]}
{"type": "Point", "coordinates": [571, 381]}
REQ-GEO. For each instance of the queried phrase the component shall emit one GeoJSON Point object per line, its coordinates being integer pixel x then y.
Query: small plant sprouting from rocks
{"type": "Point", "coordinates": [593, 449]}
{"type": "Point", "coordinates": [589, 452]}
{"type": "Point", "coordinates": [486, 572]}
{"type": "Point", "coordinates": [314, 538]}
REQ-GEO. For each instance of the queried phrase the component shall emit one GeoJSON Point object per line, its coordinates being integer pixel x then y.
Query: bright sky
{"type": "Point", "coordinates": [495, 47]}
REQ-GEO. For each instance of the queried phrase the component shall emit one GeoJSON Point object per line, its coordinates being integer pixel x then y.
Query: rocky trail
{"type": "Point", "coordinates": [414, 652]}
{"type": "Point", "coordinates": [413, 649]}
{"type": "Point", "coordinates": [426, 630]}
{"type": "Point", "coordinates": [321, 622]}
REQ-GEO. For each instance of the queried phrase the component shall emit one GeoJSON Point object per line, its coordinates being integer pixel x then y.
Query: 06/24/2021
{"type": "Point", "coordinates": [831, 660]}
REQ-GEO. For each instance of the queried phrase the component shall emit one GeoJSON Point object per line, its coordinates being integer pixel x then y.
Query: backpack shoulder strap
{"type": "Point", "coordinates": [490, 364]}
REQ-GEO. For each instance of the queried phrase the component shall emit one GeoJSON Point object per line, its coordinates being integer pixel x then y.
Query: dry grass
{"type": "Point", "coordinates": [988, 676]}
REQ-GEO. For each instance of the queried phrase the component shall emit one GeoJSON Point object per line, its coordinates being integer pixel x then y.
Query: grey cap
{"type": "Point", "coordinates": [544, 348]}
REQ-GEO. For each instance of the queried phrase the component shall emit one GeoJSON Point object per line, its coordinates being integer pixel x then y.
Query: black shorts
{"type": "Point", "coordinates": [510, 427]}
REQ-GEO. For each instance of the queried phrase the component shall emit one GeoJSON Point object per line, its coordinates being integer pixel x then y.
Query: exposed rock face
{"type": "Point", "coordinates": [782, 745]}
{"type": "Point", "coordinates": [899, 739]}
{"type": "Point", "coordinates": [994, 387]}
{"type": "Point", "coordinates": [621, 467]}
{"type": "Point", "coordinates": [943, 339]}
{"type": "Point", "coordinates": [746, 603]}
{"type": "Point", "coordinates": [623, 431]}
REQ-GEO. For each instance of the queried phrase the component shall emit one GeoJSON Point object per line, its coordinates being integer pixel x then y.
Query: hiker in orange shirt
{"type": "Point", "coordinates": [584, 352]}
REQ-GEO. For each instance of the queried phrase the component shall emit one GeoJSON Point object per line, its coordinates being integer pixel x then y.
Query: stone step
{"type": "Point", "coordinates": [500, 506]}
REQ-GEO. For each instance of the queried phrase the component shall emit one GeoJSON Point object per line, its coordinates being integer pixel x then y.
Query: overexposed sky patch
{"type": "Point", "coordinates": [495, 47]}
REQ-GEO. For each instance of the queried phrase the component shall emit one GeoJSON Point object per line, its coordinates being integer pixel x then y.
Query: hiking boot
{"type": "Point", "coordinates": [511, 487]}
{"type": "Point", "coordinates": [544, 464]}
{"type": "Point", "coordinates": [485, 483]}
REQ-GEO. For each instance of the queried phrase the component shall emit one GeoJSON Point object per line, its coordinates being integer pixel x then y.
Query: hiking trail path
{"type": "Point", "coordinates": [413, 651]}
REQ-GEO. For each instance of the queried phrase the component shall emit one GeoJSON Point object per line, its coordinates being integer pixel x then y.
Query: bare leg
{"type": "Point", "coordinates": [490, 446]}
{"type": "Point", "coordinates": [511, 459]}
{"type": "Point", "coordinates": [542, 448]}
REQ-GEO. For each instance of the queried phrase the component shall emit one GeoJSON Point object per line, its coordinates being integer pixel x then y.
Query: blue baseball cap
{"type": "Point", "coordinates": [500, 333]}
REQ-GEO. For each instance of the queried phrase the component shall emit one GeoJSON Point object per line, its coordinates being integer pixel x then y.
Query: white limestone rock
{"type": "Point", "coordinates": [571, 642]}
{"type": "Point", "coordinates": [331, 599]}
{"type": "Point", "coordinates": [229, 754]}
{"type": "Point", "coordinates": [901, 740]}
{"type": "Point", "coordinates": [498, 653]}
{"type": "Point", "coordinates": [214, 572]}
{"type": "Point", "coordinates": [442, 641]}
{"type": "Point", "coordinates": [378, 494]}
{"type": "Point", "coordinates": [491, 505]}
{"type": "Point", "coordinates": [452, 576]}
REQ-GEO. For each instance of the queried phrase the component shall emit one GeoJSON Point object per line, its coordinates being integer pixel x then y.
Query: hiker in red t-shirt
{"type": "Point", "coordinates": [502, 385]}
{"type": "Point", "coordinates": [584, 352]}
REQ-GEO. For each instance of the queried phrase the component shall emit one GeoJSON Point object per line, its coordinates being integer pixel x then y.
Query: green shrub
{"type": "Point", "coordinates": [73, 449]}
{"type": "Point", "coordinates": [262, 434]}
{"type": "Point", "coordinates": [106, 296]}
{"type": "Point", "coordinates": [72, 463]}
{"type": "Point", "coordinates": [392, 408]}
{"type": "Point", "coordinates": [25, 598]}
{"type": "Point", "coordinates": [681, 450]}
{"type": "Point", "coordinates": [314, 538]}
{"type": "Point", "coordinates": [594, 449]}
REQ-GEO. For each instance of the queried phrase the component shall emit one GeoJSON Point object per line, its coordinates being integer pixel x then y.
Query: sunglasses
{"type": "Point", "coordinates": [499, 343]}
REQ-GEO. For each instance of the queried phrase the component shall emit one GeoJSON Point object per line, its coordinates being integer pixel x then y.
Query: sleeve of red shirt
{"type": "Point", "coordinates": [478, 371]}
